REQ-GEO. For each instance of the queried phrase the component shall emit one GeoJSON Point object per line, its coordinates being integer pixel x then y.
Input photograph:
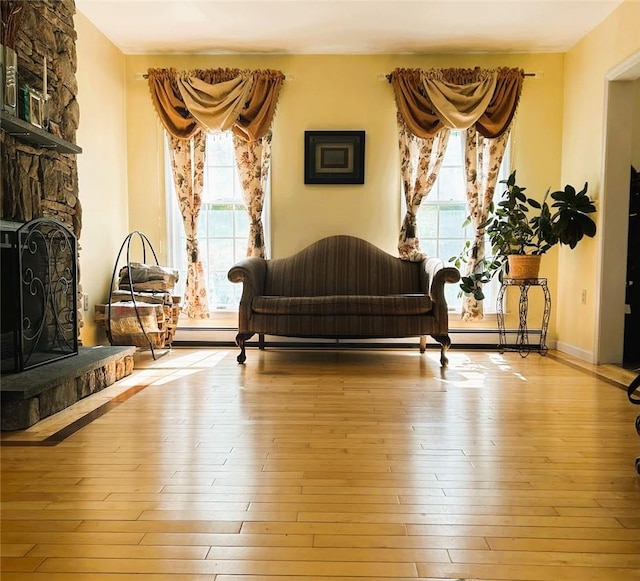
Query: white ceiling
{"type": "Point", "coordinates": [344, 26]}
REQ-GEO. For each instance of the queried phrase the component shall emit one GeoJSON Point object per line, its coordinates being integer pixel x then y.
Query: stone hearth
{"type": "Point", "coordinates": [34, 394]}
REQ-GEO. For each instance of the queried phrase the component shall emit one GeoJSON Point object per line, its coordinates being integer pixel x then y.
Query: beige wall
{"type": "Point", "coordinates": [337, 92]}
{"type": "Point", "coordinates": [557, 139]}
{"type": "Point", "coordinates": [341, 92]}
{"type": "Point", "coordinates": [102, 165]}
{"type": "Point", "coordinates": [586, 66]}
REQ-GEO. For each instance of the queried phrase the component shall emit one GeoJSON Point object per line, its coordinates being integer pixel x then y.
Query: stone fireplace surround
{"type": "Point", "coordinates": [36, 181]}
{"type": "Point", "coordinates": [39, 182]}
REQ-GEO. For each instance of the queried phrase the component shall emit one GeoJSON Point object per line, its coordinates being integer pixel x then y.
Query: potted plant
{"type": "Point", "coordinates": [523, 227]}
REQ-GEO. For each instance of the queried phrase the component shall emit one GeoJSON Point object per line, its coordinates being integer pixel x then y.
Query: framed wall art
{"type": "Point", "coordinates": [35, 109]}
{"type": "Point", "coordinates": [334, 157]}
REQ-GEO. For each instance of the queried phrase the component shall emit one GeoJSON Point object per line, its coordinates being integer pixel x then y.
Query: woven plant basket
{"type": "Point", "coordinates": [524, 266]}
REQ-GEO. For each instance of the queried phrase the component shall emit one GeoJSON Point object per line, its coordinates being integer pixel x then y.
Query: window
{"type": "Point", "coordinates": [442, 213]}
{"type": "Point", "coordinates": [223, 227]}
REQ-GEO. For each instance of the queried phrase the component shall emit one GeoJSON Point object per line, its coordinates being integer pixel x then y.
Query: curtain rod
{"type": "Point", "coordinates": [534, 75]}
{"type": "Point", "coordinates": [381, 77]}
{"type": "Point", "coordinates": [144, 76]}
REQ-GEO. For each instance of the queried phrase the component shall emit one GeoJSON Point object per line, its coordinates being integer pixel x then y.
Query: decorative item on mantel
{"type": "Point", "coordinates": [36, 108]}
{"type": "Point", "coordinates": [11, 13]}
{"type": "Point", "coordinates": [22, 107]}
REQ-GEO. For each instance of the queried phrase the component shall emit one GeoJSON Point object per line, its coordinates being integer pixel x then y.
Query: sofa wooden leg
{"type": "Point", "coordinates": [423, 343]}
{"type": "Point", "coordinates": [261, 341]}
{"type": "Point", "coordinates": [445, 342]}
{"type": "Point", "coordinates": [241, 338]}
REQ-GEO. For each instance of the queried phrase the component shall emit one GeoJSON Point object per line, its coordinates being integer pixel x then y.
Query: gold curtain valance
{"type": "Point", "coordinates": [215, 99]}
{"type": "Point", "coordinates": [457, 98]}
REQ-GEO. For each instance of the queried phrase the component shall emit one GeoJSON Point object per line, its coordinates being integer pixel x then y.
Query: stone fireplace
{"type": "Point", "coordinates": [39, 176]}
{"type": "Point", "coordinates": [39, 181]}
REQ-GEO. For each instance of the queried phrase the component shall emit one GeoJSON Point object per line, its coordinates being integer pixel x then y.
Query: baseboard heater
{"type": "Point", "coordinates": [461, 339]}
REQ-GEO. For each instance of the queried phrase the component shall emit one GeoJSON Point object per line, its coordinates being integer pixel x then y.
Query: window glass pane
{"type": "Point", "coordinates": [449, 248]}
{"type": "Point", "coordinates": [203, 254]}
{"type": "Point", "coordinates": [220, 254]}
{"type": "Point", "coordinates": [237, 187]}
{"type": "Point", "coordinates": [206, 220]}
{"type": "Point", "coordinates": [451, 220]}
{"type": "Point", "coordinates": [203, 220]}
{"type": "Point", "coordinates": [427, 219]}
{"type": "Point", "coordinates": [429, 247]}
{"type": "Point", "coordinates": [220, 184]}
{"type": "Point", "coordinates": [242, 222]}
{"type": "Point", "coordinates": [220, 221]}
{"type": "Point", "coordinates": [223, 291]}
{"type": "Point", "coordinates": [453, 154]}
{"type": "Point", "coordinates": [451, 292]}
{"type": "Point", "coordinates": [451, 184]}
{"type": "Point", "coordinates": [241, 249]}
{"type": "Point", "coordinates": [218, 150]}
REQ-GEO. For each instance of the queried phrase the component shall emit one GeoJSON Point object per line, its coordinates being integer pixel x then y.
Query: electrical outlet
{"type": "Point", "coordinates": [583, 296]}
{"type": "Point", "coordinates": [85, 302]}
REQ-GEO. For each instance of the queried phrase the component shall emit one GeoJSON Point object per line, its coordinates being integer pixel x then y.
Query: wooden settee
{"type": "Point", "coordinates": [343, 287]}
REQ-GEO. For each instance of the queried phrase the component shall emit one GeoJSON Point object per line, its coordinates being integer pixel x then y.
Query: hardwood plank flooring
{"type": "Point", "coordinates": [330, 466]}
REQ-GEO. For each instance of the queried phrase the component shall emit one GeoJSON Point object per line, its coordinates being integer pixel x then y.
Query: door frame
{"type": "Point", "coordinates": [614, 210]}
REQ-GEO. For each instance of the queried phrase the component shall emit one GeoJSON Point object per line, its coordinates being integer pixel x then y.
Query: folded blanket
{"type": "Point", "coordinates": [148, 277]}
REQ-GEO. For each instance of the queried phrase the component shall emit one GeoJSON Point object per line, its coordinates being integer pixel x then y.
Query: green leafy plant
{"type": "Point", "coordinates": [521, 225]}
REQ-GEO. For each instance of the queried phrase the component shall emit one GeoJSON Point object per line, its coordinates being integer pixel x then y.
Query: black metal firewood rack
{"type": "Point", "coordinates": [147, 249]}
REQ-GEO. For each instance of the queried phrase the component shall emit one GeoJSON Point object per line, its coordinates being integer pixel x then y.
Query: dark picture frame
{"type": "Point", "coordinates": [334, 157]}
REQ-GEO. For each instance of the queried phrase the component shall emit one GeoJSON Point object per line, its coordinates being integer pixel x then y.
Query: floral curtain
{"type": "Point", "coordinates": [420, 163]}
{"type": "Point", "coordinates": [481, 101]}
{"type": "Point", "coordinates": [189, 103]}
{"type": "Point", "coordinates": [187, 164]}
{"type": "Point", "coordinates": [253, 159]}
{"type": "Point", "coordinates": [483, 156]}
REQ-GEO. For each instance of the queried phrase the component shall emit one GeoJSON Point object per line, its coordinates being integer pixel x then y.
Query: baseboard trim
{"type": "Point", "coordinates": [460, 339]}
{"type": "Point", "coordinates": [574, 351]}
{"type": "Point", "coordinates": [300, 344]}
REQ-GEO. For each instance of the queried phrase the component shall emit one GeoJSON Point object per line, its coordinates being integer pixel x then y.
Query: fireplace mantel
{"type": "Point", "coordinates": [29, 133]}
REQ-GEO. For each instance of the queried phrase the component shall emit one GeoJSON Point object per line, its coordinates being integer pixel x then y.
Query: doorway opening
{"type": "Point", "coordinates": [621, 137]}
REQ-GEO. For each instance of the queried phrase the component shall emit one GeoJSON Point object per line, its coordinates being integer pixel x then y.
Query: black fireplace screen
{"type": "Point", "coordinates": [39, 293]}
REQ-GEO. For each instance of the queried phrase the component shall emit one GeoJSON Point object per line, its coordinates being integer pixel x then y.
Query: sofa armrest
{"type": "Point", "coordinates": [437, 274]}
{"type": "Point", "coordinates": [252, 273]}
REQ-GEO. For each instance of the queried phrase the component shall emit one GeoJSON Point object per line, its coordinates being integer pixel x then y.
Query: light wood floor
{"type": "Point", "coordinates": [331, 466]}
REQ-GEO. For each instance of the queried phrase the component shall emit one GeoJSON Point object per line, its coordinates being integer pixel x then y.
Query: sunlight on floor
{"type": "Point", "coordinates": [465, 370]}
